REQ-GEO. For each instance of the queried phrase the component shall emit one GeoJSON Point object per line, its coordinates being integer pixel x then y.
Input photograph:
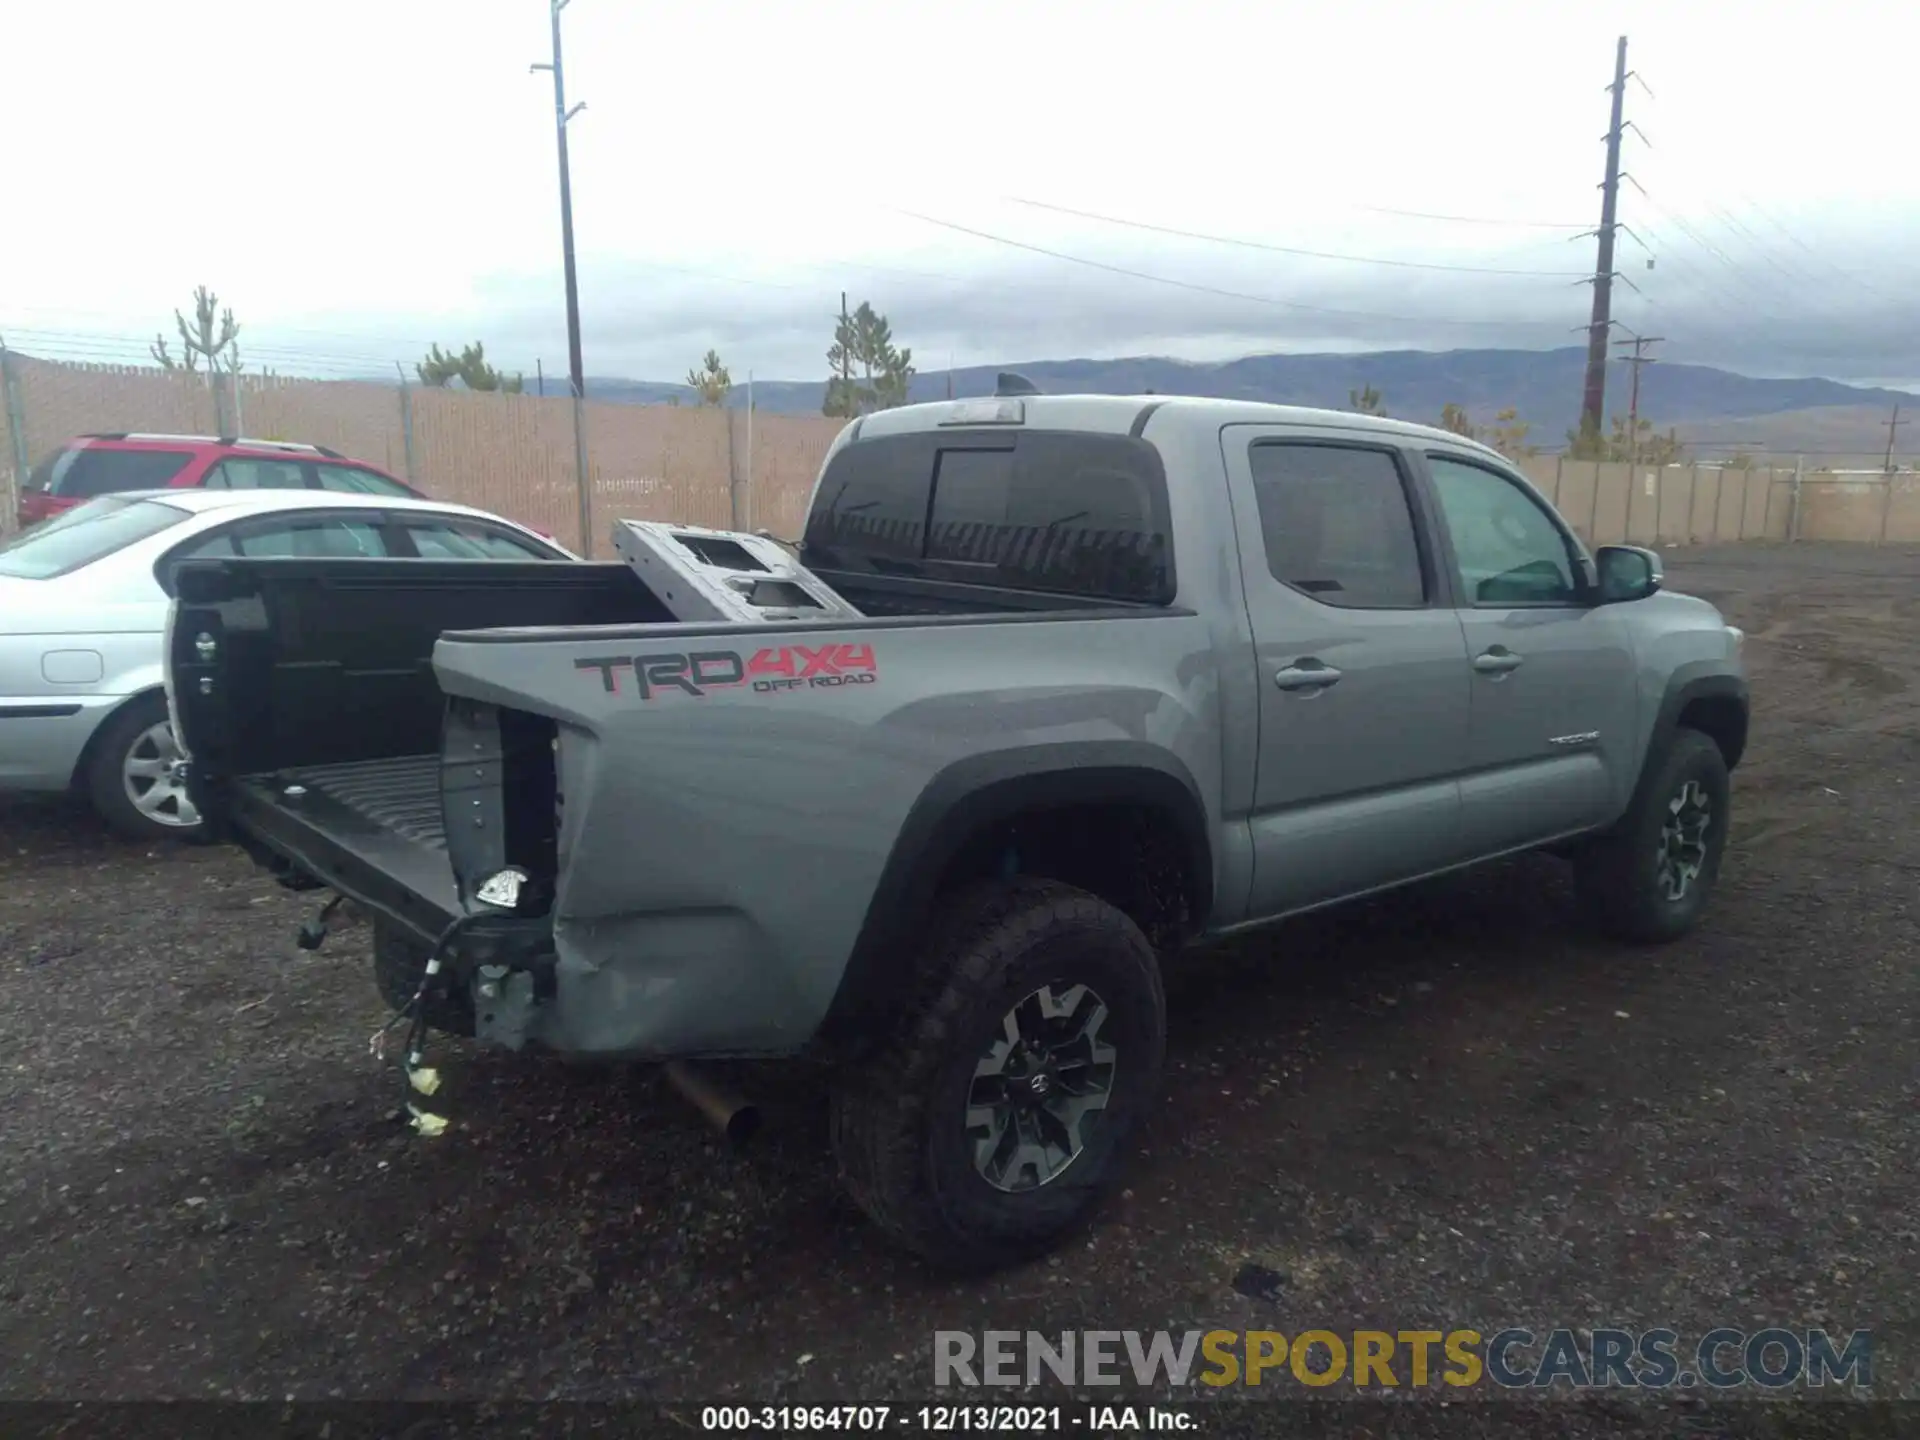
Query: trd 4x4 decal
{"type": "Point", "coordinates": [771, 671]}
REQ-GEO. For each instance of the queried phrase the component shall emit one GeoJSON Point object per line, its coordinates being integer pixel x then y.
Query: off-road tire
{"type": "Point", "coordinates": [1618, 874]}
{"type": "Point", "coordinates": [104, 780]}
{"type": "Point", "coordinates": [898, 1118]}
{"type": "Point", "coordinates": [398, 960]}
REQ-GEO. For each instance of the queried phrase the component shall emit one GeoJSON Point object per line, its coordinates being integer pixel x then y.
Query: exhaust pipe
{"type": "Point", "coordinates": [730, 1115]}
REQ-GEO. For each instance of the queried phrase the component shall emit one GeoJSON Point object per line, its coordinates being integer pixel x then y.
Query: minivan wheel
{"type": "Point", "coordinates": [136, 776]}
{"type": "Point", "coordinates": [991, 1124]}
{"type": "Point", "coordinates": [1650, 879]}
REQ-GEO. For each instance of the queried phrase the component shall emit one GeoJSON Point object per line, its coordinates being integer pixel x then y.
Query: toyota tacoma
{"type": "Point", "coordinates": [1126, 675]}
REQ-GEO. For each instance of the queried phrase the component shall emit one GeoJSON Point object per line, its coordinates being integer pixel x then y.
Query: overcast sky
{"type": "Point", "coordinates": [362, 177]}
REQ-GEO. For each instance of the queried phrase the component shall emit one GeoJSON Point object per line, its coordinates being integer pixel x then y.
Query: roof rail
{"type": "Point", "coordinates": [299, 447]}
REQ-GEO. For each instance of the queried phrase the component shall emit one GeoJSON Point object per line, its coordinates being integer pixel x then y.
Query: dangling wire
{"type": "Point", "coordinates": [419, 1077]}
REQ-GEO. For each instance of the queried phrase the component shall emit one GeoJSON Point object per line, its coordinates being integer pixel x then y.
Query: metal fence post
{"type": "Point", "coordinates": [733, 470]}
{"type": "Point", "coordinates": [16, 418]}
{"type": "Point", "coordinates": [220, 407]}
{"type": "Point", "coordinates": [406, 423]}
{"type": "Point", "coordinates": [582, 475]}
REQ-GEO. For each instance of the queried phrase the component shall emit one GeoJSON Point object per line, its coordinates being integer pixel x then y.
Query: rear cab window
{"type": "Point", "coordinates": [1065, 512]}
{"type": "Point", "coordinates": [82, 472]}
{"type": "Point", "coordinates": [83, 535]}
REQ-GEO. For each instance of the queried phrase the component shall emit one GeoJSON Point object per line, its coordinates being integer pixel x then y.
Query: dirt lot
{"type": "Point", "coordinates": [1446, 1108]}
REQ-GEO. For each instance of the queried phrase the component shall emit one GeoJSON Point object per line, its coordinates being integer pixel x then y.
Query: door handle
{"type": "Point", "coordinates": [1308, 674]}
{"type": "Point", "coordinates": [1497, 661]}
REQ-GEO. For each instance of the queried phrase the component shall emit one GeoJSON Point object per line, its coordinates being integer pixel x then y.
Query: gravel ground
{"type": "Point", "coordinates": [1447, 1108]}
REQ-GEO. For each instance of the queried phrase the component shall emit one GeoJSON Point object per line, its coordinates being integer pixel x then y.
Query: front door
{"type": "Point", "coordinates": [1554, 692]}
{"type": "Point", "coordinates": [1363, 679]}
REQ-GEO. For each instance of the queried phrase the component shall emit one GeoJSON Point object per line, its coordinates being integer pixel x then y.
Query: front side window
{"type": "Point", "coordinates": [1337, 526]}
{"type": "Point", "coordinates": [310, 537]}
{"type": "Point", "coordinates": [1507, 549]}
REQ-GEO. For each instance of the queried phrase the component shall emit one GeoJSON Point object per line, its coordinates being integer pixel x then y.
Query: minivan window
{"type": "Point", "coordinates": [83, 471]}
{"type": "Point", "coordinates": [83, 535]}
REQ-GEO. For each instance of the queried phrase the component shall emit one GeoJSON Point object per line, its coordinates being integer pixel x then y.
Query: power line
{"type": "Point", "coordinates": [1474, 219]}
{"type": "Point", "coordinates": [1214, 289]}
{"type": "Point", "coordinates": [1294, 250]}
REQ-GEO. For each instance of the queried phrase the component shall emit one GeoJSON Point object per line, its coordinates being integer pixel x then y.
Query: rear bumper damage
{"type": "Point", "coordinates": [694, 983]}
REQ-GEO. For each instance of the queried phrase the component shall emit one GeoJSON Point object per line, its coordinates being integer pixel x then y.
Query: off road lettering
{"type": "Point", "coordinates": [769, 671]}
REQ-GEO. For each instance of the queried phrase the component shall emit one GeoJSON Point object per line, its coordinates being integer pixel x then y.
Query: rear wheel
{"type": "Point", "coordinates": [137, 776]}
{"type": "Point", "coordinates": [399, 960]}
{"type": "Point", "coordinates": [993, 1122]}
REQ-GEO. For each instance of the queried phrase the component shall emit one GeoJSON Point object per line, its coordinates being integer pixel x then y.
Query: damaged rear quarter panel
{"type": "Point", "coordinates": [726, 818]}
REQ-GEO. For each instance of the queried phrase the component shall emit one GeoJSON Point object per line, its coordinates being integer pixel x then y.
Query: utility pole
{"type": "Point", "coordinates": [846, 357]}
{"type": "Point", "coordinates": [1594, 399]}
{"type": "Point", "coordinates": [1636, 360]}
{"type": "Point", "coordinates": [561, 115]}
{"type": "Point", "coordinates": [1892, 425]}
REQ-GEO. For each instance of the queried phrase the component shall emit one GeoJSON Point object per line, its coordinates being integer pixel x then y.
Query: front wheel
{"type": "Point", "coordinates": [997, 1117]}
{"type": "Point", "coordinates": [137, 777]}
{"type": "Point", "coordinates": [1650, 879]}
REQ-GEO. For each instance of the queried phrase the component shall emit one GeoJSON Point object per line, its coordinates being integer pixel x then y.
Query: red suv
{"type": "Point", "coordinates": [104, 464]}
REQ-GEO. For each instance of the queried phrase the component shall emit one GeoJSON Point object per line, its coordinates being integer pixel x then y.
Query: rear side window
{"type": "Point", "coordinates": [239, 474]}
{"type": "Point", "coordinates": [1336, 525]}
{"type": "Point", "coordinates": [469, 540]}
{"type": "Point", "coordinates": [83, 535]}
{"type": "Point", "coordinates": [1059, 511]}
{"type": "Point", "coordinates": [85, 471]}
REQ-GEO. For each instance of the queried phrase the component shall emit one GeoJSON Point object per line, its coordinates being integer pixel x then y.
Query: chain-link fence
{"type": "Point", "coordinates": [516, 455]}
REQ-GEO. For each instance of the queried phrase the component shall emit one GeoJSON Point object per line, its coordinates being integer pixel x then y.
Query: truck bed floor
{"type": "Point", "coordinates": [401, 794]}
{"type": "Point", "coordinates": [361, 826]}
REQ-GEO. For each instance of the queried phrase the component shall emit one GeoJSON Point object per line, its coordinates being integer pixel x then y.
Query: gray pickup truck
{"type": "Point", "coordinates": [1133, 674]}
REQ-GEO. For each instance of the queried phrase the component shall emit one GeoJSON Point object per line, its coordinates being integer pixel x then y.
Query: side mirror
{"type": "Point", "coordinates": [1626, 572]}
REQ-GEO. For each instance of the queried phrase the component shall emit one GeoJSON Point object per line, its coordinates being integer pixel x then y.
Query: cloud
{"type": "Point", "coordinates": [650, 322]}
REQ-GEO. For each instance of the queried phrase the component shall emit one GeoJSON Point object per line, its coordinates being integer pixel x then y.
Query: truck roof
{"type": "Point", "coordinates": [1124, 414]}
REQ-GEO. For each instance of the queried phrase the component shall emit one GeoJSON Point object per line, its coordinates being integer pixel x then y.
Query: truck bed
{"type": "Point", "coordinates": [331, 820]}
{"type": "Point", "coordinates": [320, 677]}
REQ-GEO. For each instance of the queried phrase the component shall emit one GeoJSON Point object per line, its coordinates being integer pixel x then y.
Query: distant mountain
{"type": "Point", "coordinates": [1542, 385]}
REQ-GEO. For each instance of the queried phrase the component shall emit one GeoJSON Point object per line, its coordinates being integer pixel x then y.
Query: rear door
{"type": "Point", "coordinates": [1363, 677]}
{"type": "Point", "coordinates": [1554, 696]}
